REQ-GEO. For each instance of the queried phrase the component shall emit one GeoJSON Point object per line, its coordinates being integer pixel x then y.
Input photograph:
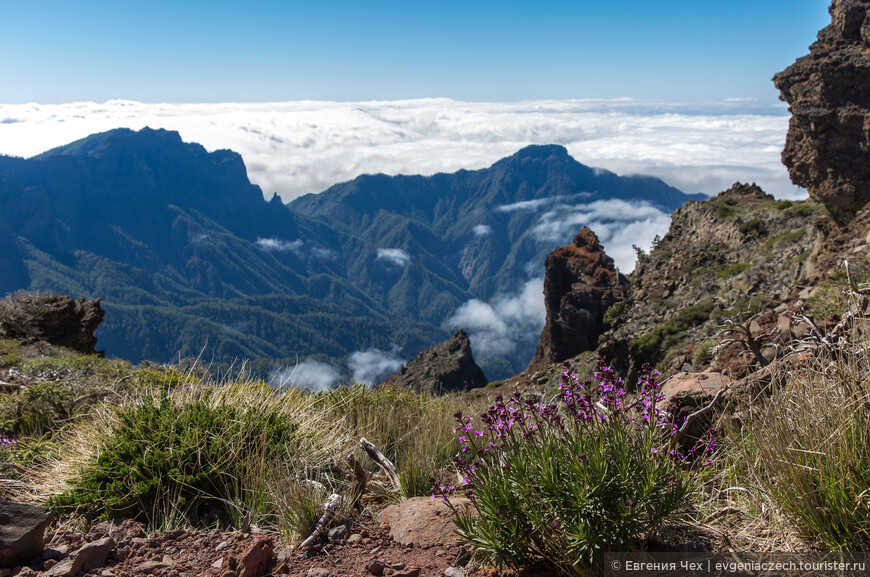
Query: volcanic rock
{"type": "Point", "coordinates": [828, 92]}
{"type": "Point", "coordinates": [422, 521]}
{"type": "Point", "coordinates": [443, 368]}
{"type": "Point", "coordinates": [581, 283]}
{"type": "Point", "coordinates": [22, 532]}
{"type": "Point", "coordinates": [59, 320]}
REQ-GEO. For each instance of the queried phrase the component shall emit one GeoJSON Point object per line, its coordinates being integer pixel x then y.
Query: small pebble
{"type": "Point", "coordinates": [454, 572]}
{"type": "Point", "coordinates": [221, 546]}
{"type": "Point", "coordinates": [377, 567]}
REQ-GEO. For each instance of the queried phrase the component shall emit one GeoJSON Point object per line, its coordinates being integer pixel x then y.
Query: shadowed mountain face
{"type": "Point", "coordinates": [188, 257]}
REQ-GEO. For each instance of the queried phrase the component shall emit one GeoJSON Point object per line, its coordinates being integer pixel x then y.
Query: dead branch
{"type": "Point", "coordinates": [743, 335]}
{"type": "Point", "coordinates": [329, 508]}
{"type": "Point", "coordinates": [382, 462]}
{"type": "Point", "coordinates": [721, 513]}
{"type": "Point", "coordinates": [361, 479]}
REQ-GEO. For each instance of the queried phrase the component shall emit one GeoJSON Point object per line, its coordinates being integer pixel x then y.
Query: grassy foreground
{"type": "Point", "coordinates": [789, 470]}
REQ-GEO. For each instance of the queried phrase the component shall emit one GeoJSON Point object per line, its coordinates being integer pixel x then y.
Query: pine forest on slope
{"type": "Point", "coordinates": [190, 259]}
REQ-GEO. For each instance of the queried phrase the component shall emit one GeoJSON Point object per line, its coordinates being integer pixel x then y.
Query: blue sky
{"type": "Point", "coordinates": [279, 50]}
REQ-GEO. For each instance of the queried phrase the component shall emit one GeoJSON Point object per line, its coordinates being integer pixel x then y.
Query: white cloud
{"type": "Point", "coordinates": [299, 247]}
{"type": "Point", "coordinates": [278, 245]}
{"type": "Point", "coordinates": [617, 223]}
{"type": "Point", "coordinates": [374, 365]}
{"type": "Point", "coordinates": [309, 375]}
{"type": "Point", "coordinates": [395, 256]}
{"type": "Point", "coordinates": [482, 230]}
{"type": "Point", "coordinates": [499, 328]}
{"type": "Point", "coordinates": [525, 205]}
{"type": "Point", "coordinates": [300, 147]}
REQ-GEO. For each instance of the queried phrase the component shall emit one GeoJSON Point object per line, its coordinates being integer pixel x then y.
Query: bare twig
{"type": "Point", "coordinates": [329, 508]}
{"type": "Point", "coordinates": [382, 462]}
{"type": "Point", "coordinates": [361, 479]}
{"type": "Point", "coordinates": [681, 432]}
{"type": "Point", "coordinates": [721, 513]}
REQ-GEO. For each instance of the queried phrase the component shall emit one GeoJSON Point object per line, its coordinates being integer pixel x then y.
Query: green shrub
{"type": "Point", "coordinates": [615, 313]}
{"type": "Point", "coordinates": [724, 211]}
{"type": "Point", "coordinates": [802, 209]}
{"type": "Point", "coordinates": [704, 353]}
{"type": "Point", "coordinates": [753, 226]}
{"type": "Point", "coordinates": [10, 353]}
{"type": "Point", "coordinates": [786, 237]}
{"type": "Point", "coordinates": [734, 269]}
{"type": "Point", "coordinates": [493, 384]}
{"type": "Point", "coordinates": [783, 204]}
{"type": "Point", "coordinates": [671, 332]}
{"type": "Point", "coordinates": [195, 459]}
{"type": "Point", "coordinates": [563, 484]}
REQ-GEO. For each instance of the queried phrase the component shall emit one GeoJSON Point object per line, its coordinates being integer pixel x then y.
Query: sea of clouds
{"type": "Point", "coordinates": [294, 148]}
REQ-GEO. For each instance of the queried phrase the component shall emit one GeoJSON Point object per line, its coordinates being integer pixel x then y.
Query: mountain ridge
{"type": "Point", "coordinates": [185, 250]}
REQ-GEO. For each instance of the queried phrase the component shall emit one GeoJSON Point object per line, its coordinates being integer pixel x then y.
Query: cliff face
{"type": "Point", "coordinates": [826, 150]}
{"type": "Point", "coordinates": [581, 283]}
{"type": "Point", "coordinates": [443, 368]}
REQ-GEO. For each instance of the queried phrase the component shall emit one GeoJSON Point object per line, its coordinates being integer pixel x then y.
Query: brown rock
{"type": "Point", "coordinates": [255, 559]}
{"type": "Point", "coordinates": [444, 368]}
{"type": "Point", "coordinates": [58, 320]}
{"type": "Point", "coordinates": [22, 532]}
{"type": "Point", "coordinates": [685, 393]}
{"type": "Point", "coordinates": [828, 92]}
{"type": "Point", "coordinates": [581, 283]}
{"type": "Point", "coordinates": [376, 567]}
{"type": "Point", "coordinates": [91, 555]}
{"type": "Point", "coordinates": [422, 521]}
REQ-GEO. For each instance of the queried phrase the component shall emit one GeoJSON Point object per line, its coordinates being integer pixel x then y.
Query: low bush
{"type": "Point", "coordinates": [671, 332]}
{"type": "Point", "coordinates": [198, 460]}
{"type": "Point", "coordinates": [753, 226]}
{"type": "Point", "coordinates": [564, 483]}
{"type": "Point", "coordinates": [734, 269]}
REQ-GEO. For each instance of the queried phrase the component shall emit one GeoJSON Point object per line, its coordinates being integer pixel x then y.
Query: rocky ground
{"type": "Point", "coordinates": [415, 539]}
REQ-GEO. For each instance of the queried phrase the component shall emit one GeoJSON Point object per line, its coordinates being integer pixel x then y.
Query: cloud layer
{"type": "Point", "coordinates": [374, 365]}
{"type": "Point", "coordinates": [499, 328]}
{"type": "Point", "coordinates": [308, 375]}
{"type": "Point", "coordinates": [301, 147]}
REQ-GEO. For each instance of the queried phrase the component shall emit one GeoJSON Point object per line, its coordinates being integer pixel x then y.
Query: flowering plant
{"type": "Point", "coordinates": [564, 482]}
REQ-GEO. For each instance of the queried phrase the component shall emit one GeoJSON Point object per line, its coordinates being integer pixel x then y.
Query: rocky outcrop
{"type": "Point", "coordinates": [22, 532]}
{"type": "Point", "coordinates": [826, 150]}
{"type": "Point", "coordinates": [59, 320]}
{"type": "Point", "coordinates": [443, 368]}
{"type": "Point", "coordinates": [581, 283]}
{"type": "Point", "coordinates": [729, 256]}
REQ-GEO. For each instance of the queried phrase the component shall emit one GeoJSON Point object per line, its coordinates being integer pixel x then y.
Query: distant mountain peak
{"type": "Point", "coordinates": [542, 151]}
{"type": "Point", "coordinates": [96, 145]}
